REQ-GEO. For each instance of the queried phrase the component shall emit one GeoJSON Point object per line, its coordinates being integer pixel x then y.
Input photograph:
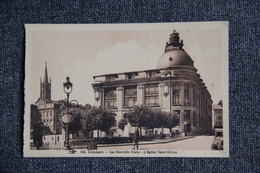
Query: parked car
{"type": "Point", "coordinates": [218, 140]}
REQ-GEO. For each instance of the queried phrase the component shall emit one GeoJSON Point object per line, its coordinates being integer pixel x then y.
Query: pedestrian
{"type": "Point", "coordinates": [136, 139]}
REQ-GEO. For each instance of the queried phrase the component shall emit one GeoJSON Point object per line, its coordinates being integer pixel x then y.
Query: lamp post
{"type": "Point", "coordinates": [67, 117]}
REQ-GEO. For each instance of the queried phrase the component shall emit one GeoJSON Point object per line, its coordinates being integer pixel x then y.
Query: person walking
{"type": "Point", "coordinates": [136, 139]}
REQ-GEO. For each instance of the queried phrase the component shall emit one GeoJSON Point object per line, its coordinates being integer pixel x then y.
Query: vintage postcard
{"type": "Point", "coordinates": [126, 90]}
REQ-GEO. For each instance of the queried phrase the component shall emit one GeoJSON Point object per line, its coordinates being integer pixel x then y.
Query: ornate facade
{"type": "Point", "coordinates": [173, 86]}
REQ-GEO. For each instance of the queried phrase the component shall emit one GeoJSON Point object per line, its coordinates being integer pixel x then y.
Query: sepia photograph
{"type": "Point", "coordinates": [126, 90]}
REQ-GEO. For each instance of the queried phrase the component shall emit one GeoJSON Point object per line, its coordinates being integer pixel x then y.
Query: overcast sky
{"type": "Point", "coordinates": [83, 51]}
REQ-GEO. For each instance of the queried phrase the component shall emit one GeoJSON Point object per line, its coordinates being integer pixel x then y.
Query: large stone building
{"type": "Point", "coordinates": [46, 112]}
{"type": "Point", "coordinates": [173, 86]}
{"type": "Point", "coordinates": [48, 108]}
{"type": "Point", "coordinates": [218, 115]}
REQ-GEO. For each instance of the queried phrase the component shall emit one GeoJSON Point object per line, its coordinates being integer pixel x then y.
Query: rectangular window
{"type": "Point", "coordinates": [186, 94]}
{"type": "Point", "coordinates": [186, 115]}
{"type": "Point", "coordinates": [110, 97]}
{"type": "Point", "coordinates": [130, 93]}
{"type": "Point", "coordinates": [194, 96]}
{"type": "Point", "coordinates": [177, 113]}
{"type": "Point", "coordinates": [176, 93]}
{"type": "Point", "coordinates": [152, 95]}
{"type": "Point", "coordinates": [194, 119]}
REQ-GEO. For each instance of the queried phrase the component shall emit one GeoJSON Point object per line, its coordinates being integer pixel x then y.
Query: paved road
{"type": "Point", "coordinates": [197, 143]}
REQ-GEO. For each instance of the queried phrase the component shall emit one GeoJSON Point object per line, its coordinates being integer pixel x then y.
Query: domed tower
{"type": "Point", "coordinates": [174, 53]}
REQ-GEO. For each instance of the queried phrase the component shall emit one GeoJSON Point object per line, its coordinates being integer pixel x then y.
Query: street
{"type": "Point", "coordinates": [197, 143]}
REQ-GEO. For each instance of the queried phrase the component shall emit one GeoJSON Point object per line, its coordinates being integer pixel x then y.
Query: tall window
{"type": "Point", "coordinates": [177, 113]}
{"type": "Point", "coordinates": [186, 94]}
{"type": "Point", "coordinates": [176, 93]}
{"type": "Point", "coordinates": [152, 95]}
{"type": "Point", "coordinates": [194, 119]}
{"type": "Point", "coordinates": [186, 115]}
{"type": "Point", "coordinates": [110, 97]}
{"type": "Point", "coordinates": [194, 96]}
{"type": "Point", "coordinates": [130, 96]}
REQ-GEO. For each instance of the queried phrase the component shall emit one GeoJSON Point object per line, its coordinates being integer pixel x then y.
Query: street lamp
{"type": "Point", "coordinates": [67, 117]}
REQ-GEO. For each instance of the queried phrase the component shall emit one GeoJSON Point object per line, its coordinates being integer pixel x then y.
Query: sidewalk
{"type": "Point", "coordinates": [156, 141]}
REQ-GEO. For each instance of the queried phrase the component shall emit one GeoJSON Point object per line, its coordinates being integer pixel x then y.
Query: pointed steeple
{"type": "Point", "coordinates": [45, 78]}
{"type": "Point", "coordinates": [45, 86]}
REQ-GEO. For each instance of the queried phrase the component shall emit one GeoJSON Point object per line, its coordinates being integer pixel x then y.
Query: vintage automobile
{"type": "Point", "coordinates": [218, 140]}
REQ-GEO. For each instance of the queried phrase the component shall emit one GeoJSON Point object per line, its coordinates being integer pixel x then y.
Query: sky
{"type": "Point", "coordinates": [83, 51]}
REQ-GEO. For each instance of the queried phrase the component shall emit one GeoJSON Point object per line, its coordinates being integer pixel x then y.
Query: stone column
{"type": "Point", "coordinates": [160, 86]}
{"type": "Point", "coordinates": [182, 119]}
{"type": "Point", "coordinates": [191, 119]}
{"type": "Point", "coordinates": [140, 95]}
{"type": "Point", "coordinates": [120, 98]}
{"type": "Point", "coordinates": [165, 99]}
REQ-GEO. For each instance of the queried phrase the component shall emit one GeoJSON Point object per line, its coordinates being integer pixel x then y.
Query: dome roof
{"type": "Point", "coordinates": [174, 58]}
{"type": "Point", "coordinates": [174, 53]}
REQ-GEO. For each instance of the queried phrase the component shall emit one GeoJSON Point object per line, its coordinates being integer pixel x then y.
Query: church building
{"type": "Point", "coordinates": [47, 108]}
{"type": "Point", "coordinates": [173, 86]}
{"type": "Point", "coordinates": [46, 111]}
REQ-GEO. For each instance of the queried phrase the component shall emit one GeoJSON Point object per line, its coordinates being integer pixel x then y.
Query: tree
{"type": "Point", "coordinates": [98, 118]}
{"type": "Point", "coordinates": [77, 113]}
{"type": "Point", "coordinates": [37, 133]}
{"type": "Point", "coordinates": [122, 123]}
{"type": "Point", "coordinates": [87, 119]}
{"type": "Point", "coordinates": [140, 116]}
{"type": "Point", "coordinates": [156, 119]}
{"type": "Point", "coordinates": [172, 120]}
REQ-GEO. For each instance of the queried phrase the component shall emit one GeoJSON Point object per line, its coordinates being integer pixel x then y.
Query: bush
{"type": "Point", "coordinates": [115, 140]}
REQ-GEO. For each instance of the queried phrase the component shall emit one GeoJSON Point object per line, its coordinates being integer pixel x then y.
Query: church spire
{"type": "Point", "coordinates": [45, 86]}
{"type": "Point", "coordinates": [45, 78]}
